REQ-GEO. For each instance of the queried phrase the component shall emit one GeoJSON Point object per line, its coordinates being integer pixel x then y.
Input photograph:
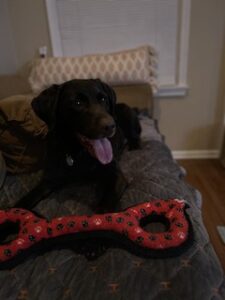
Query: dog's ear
{"type": "Point", "coordinates": [45, 104]}
{"type": "Point", "coordinates": [111, 94]}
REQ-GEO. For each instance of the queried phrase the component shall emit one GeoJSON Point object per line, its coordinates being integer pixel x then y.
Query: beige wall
{"type": "Point", "coordinates": [190, 123]}
{"type": "Point", "coordinates": [195, 122]}
{"type": "Point", "coordinates": [8, 63]}
{"type": "Point", "coordinates": [30, 28]}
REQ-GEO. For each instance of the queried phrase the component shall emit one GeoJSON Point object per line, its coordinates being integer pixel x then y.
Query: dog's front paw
{"type": "Point", "coordinates": [93, 248]}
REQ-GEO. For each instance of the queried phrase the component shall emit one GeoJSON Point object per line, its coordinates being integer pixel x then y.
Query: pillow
{"type": "Point", "coordinates": [126, 67]}
{"type": "Point", "coordinates": [149, 127]}
{"type": "Point", "coordinates": [22, 134]}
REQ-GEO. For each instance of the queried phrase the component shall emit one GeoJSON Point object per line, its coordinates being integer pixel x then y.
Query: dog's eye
{"type": "Point", "coordinates": [77, 102]}
{"type": "Point", "coordinates": [102, 98]}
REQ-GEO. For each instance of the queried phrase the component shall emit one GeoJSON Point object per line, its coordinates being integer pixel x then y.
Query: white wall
{"type": "Point", "coordinates": [8, 63]}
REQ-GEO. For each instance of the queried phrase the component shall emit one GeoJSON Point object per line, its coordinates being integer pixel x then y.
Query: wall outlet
{"type": "Point", "coordinates": [43, 51]}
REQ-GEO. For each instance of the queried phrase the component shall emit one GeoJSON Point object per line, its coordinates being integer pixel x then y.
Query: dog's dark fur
{"type": "Point", "coordinates": [87, 107]}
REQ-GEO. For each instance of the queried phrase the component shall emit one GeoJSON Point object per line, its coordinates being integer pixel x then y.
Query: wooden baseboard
{"type": "Point", "coordinates": [196, 154]}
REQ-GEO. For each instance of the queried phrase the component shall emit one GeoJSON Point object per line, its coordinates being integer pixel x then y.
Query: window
{"type": "Point", "coordinates": [80, 27]}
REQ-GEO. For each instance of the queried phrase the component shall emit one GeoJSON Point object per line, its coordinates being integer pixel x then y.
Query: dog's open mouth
{"type": "Point", "coordinates": [101, 149]}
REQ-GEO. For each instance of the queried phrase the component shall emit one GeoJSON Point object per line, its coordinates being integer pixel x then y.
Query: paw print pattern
{"type": "Point", "coordinates": [71, 224]}
{"type": "Point", "coordinates": [59, 226]}
{"type": "Point", "coordinates": [49, 230]}
{"type": "Point", "coordinates": [7, 252]}
{"type": "Point", "coordinates": [85, 224]}
{"type": "Point", "coordinates": [108, 218]}
{"type": "Point", "coordinates": [31, 238]}
{"type": "Point", "coordinates": [126, 223]}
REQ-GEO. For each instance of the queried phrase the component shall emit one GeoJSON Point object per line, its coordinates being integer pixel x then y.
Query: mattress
{"type": "Point", "coordinates": [152, 173]}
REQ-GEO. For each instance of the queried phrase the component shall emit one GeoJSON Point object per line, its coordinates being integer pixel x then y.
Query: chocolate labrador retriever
{"type": "Point", "coordinates": [86, 136]}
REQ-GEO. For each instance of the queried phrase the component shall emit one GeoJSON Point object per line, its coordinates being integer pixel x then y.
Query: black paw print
{"type": "Point", "coordinates": [152, 238]}
{"type": "Point", "coordinates": [108, 218]}
{"type": "Point", "coordinates": [130, 223]}
{"type": "Point", "coordinates": [171, 206]}
{"type": "Point", "coordinates": [71, 224]}
{"type": "Point", "coordinates": [119, 220]}
{"type": "Point", "coordinates": [36, 221]}
{"type": "Point", "coordinates": [168, 237]}
{"type": "Point", "coordinates": [25, 230]}
{"type": "Point", "coordinates": [139, 239]}
{"type": "Point", "coordinates": [7, 252]}
{"type": "Point", "coordinates": [180, 225]}
{"type": "Point", "coordinates": [127, 214]}
{"type": "Point", "coordinates": [85, 224]}
{"type": "Point", "coordinates": [59, 226]}
{"type": "Point", "coordinates": [49, 230]}
{"type": "Point", "coordinates": [143, 212]}
{"type": "Point", "coordinates": [31, 238]}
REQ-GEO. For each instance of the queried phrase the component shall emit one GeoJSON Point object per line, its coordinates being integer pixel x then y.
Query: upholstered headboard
{"type": "Point", "coordinates": [136, 95]}
{"type": "Point", "coordinates": [139, 95]}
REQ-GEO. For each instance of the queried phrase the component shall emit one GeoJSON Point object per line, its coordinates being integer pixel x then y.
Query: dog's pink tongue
{"type": "Point", "coordinates": [102, 150]}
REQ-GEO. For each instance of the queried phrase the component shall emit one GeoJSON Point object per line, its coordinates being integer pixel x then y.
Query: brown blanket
{"type": "Point", "coordinates": [22, 134]}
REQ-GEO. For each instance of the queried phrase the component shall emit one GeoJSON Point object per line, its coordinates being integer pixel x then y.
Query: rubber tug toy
{"type": "Point", "coordinates": [127, 227]}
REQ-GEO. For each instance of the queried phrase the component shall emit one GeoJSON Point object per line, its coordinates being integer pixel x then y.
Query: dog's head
{"type": "Point", "coordinates": [81, 110]}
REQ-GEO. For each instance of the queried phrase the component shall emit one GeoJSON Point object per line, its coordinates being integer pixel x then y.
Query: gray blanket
{"type": "Point", "coordinates": [62, 274]}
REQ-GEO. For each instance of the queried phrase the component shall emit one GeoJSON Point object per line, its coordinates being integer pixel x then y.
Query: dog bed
{"type": "Point", "coordinates": [62, 273]}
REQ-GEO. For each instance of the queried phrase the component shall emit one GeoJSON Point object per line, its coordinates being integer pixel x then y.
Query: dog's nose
{"type": "Point", "coordinates": [109, 128]}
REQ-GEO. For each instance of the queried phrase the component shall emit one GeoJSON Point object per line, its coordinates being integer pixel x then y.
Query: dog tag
{"type": "Point", "coordinates": [69, 160]}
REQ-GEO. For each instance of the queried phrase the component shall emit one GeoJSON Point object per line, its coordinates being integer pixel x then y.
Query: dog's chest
{"type": "Point", "coordinates": [81, 164]}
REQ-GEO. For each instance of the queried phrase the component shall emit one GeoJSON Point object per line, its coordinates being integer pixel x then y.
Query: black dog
{"type": "Point", "coordinates": [84, 140]}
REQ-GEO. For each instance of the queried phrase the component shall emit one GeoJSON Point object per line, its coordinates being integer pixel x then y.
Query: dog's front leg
{"type": "Point", "coordinates": [41, 191]}
{"type": "Point", "coordinates": [110, 188]}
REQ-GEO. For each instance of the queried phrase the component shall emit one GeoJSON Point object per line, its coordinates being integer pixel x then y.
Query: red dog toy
{"type": "Point", "coordinates": [126, 224]}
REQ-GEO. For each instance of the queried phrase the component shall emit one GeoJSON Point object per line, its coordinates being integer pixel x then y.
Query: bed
{"type": "Point", "coordinates": [152, 173]}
